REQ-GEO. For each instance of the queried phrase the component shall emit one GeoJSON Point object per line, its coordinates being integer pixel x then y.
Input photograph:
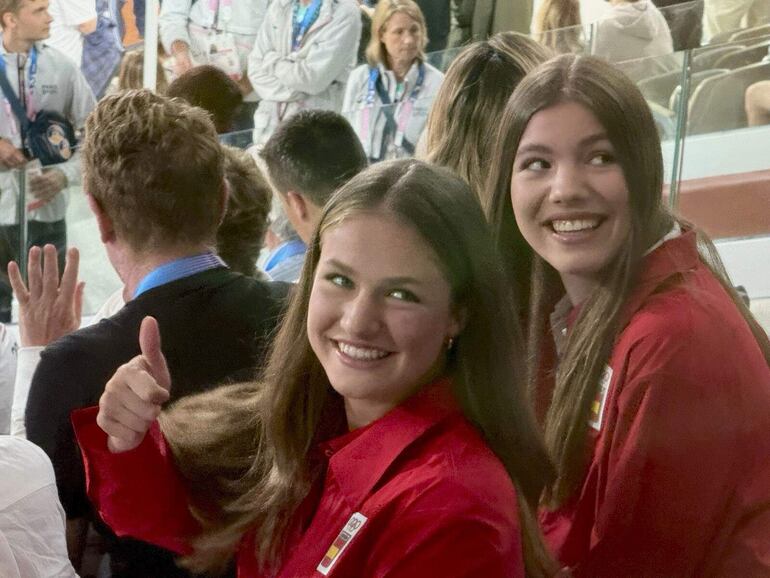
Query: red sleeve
{"type": "Point", "coordinates": [685, 489]}
{"type": "Point", "coordinates": [137, 493]}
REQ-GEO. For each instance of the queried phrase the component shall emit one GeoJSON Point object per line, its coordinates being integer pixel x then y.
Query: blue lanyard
{"type": "Point", "coordinates": [178, 269]}
{"type": "Point", "coordinates": [374, 76]}
{"type": "Point", "coordinates": [32, 74]}
{"type": "Point", "coordinates": [299, 29]}
{"type": "Point", "coordinates": [287, 250]}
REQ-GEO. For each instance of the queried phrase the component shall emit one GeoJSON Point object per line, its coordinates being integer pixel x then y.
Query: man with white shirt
{"type": "Point", "coordinates": [72, 20]}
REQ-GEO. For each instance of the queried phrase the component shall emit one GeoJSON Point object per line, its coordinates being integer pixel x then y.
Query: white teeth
{"type": "Point", "coordinates": [360, 352]}
{"type": "Point", "coordinates": [564, 226]}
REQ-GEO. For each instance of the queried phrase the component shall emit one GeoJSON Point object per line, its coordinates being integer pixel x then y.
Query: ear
{"type": "Point", "coordinates": [298, 205]}
{"type": "Point", "coordinates": [457, 322]}
{"type": "Point", "coordinates": [103, 220]}
{"type": "Point", "coordinates": [8, 20]}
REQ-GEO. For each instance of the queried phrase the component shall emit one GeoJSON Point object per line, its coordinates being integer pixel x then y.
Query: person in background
{"type": "Point", "coordinates": [286, 251]}
{"type": "Point", "coordinates": [103, 48]}
{"type": "Point", "coordinates": [309, 157]}
{"type": "Point", "coordinates": [212, 90]}
{"type": "Point", "coordinates": [154, 176]}
{"type": "Point", "coordinates": [216, 32]}
{"type": "Point", "coordinates": [32, 543]}
{"type": "Point", "coordinates": [387, 100]}
{"type": "Point", "coordinates": [685, 20]}
{"type": "Point", "coordinates": [131, 73]}
{"type": "Point", "coordinates": [301, 59]}
{"type": "Point", "coordinates": [557, 26]}
{"type": "Point", "coordinates": [72, 20]}
{"type": "Point", "coordinates": [44, 79]}
{"type": "Point", "coordinates": [389, 435]}
{"type": "Point", "coordinates": [725, 16]}
{"type": "Point", "coordinates": [467, 108]}
{"type": "Point", "coordinates": [493, 16]}
{"type": "Point", "coordinates": [635, 36]}
{"type": "Point", "coordinates": [438, 15]}
{"type": "Point", "coordinates": [648, 372]}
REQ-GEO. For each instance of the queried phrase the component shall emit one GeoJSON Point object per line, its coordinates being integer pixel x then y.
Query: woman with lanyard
{"type": "Point", "coordinates": [388, 437]}
{"type": "Point", "coordinates": [649, 373]}
{"type": "Point", "coordinates": [387, 100]}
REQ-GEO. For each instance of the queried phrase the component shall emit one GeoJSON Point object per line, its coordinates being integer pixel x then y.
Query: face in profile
{"type": "Point", "coordinates": [402, 37]}
{"type": "Point", "coordinates": [569, 194]}
{"type": "Point", "coordinates": [380, 312]}
{"type": "Point", "coordinates": [32, 20]}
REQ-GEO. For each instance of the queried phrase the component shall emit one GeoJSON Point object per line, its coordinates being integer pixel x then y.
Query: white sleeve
{"type": "Point", "coordinates": [75, 12]}
{"type": "Point", "coordinates": [173, 20]}
{"type": "Point", "coordinates": [26, 364]}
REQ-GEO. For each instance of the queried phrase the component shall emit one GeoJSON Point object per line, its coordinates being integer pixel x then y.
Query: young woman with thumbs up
{"type": "Point", "coordinates": [389, 436]}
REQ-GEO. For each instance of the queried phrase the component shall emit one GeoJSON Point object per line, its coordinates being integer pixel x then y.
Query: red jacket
{"type": "Point", "coordinates": [679, 480]}
{"type": "Point", "coordinates": [417, 493]}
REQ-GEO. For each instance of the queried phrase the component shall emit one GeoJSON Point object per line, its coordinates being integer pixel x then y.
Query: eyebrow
{"type": "Point", "coordinates": [540, 148]}
{"type": "Point", "coordinates": [347, 270]}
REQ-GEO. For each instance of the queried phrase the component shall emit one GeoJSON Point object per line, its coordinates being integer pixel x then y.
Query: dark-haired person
{"type": "Point", "coordinates": [154, 175]}
{"type": "Point", "coordinates": [212, 90]}
{"type": "Point", "coordinates": [43, 79]}
{"type": "Point", "coordinates": [389, 436]}
{"type": "Point", "coordinates": [650, 375]}
{"type": "Point", "coordinates": [307, 158]}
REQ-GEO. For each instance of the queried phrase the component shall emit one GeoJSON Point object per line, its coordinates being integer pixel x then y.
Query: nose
{"type": "Point", "coordinates": [568, 184]}
{"type": "Point", "coordinates": [362, 317]}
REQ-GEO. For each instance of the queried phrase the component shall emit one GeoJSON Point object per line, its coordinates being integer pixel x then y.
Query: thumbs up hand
{"type": "Point", "coordinates": [134, 396]}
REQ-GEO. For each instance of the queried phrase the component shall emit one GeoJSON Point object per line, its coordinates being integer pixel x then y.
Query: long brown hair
{"type": "Point", "coordinates": [287, 411]}
{"type": "Point", "coordinates": [626, 118]}
{"type": "Point", "coordinates": [557, 25]}
{"type": "Point", "coordinates": [467, 107]}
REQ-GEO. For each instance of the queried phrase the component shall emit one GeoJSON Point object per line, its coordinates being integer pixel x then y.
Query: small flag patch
{"type": "Point", "coordinates": [597, 407]}
{"type": "Point", "coordinates": [354, 524]}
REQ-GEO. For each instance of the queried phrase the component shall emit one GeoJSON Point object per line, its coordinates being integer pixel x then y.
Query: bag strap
{"type": "Point", "coordinates": [13, 100]}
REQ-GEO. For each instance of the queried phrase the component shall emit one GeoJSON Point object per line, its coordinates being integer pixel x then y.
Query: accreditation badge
{"type": "Point", "coordinates": [223, 54]}
{"type": "Point", "coordinates": [597, 406]}
{"type": "Point", "coordinates": [346, 535]}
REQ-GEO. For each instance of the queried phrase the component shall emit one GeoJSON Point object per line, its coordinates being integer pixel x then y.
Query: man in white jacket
{"type": "Point", "coordinates": [44, 79]}
{"type": "Point", "coordinates": [216, 32]}
{"type": "Point", "coordinates": [302, 57]}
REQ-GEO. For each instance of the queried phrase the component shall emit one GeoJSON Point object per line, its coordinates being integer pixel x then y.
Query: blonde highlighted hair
{"type": "Point", "coordinates": [375, 50]}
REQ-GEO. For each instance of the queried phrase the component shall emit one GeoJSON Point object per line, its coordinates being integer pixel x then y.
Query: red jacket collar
{"type": "Point", "coordinates": [360, 458]}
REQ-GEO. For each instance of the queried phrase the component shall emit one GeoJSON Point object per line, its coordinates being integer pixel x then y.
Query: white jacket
{"type": "Point", "coordinates": [190, 21]}
{"type": "Point", "coordinates": [59, 87]}
{"type": "Point", "coordinates": [314, 76]}
{"type": "Point", "coordinates": [355, 108]}
{"type": "Point", "coordinates": [636, 31]}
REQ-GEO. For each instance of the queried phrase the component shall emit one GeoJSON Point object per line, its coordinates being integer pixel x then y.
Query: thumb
{"type": "Point", "coordinates": [149, 343]}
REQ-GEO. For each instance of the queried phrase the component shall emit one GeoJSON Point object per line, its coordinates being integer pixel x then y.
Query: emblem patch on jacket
{"type": "Point", "coordinates": [346, 535]}
{"type": "Point", "coordinates": [597, 406]}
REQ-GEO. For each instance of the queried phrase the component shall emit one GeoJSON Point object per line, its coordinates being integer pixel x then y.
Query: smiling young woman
{"type": "Point", "coordinates": [650, 375]}
{"type": "Point", "coordinates": [390, 436]}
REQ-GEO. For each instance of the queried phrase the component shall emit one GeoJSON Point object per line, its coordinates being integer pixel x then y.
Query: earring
{"type": "Point", "coordinates": [450, 342]}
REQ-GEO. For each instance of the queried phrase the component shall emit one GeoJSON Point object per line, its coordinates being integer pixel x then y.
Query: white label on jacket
{"type": "Point", "coordinates": [344, 538]}
{"type": "Point", "coordinates": [597, 407]}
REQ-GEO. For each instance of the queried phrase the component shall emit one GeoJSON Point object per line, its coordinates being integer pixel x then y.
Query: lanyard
{"type": "Point", "coordinates": [31, 79]}
{"type": "Point", "coordinates": [178, 269]}
{"type": "Point", "coordinates": [220, 11]}
{"type": "Point", "coordinates": [286, 251]}
{"type": "Point", "coordinates": [299, 29]}
{"type": "Point", "coordinates": [374, 87]}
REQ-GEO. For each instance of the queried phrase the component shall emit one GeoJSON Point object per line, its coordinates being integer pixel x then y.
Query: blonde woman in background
{"type": "Point", "coordinates": [387, 100]}
{"type": "Point", "coordinates": [461, 126]}
{"type": "Point", "coordinates": [557, 25]}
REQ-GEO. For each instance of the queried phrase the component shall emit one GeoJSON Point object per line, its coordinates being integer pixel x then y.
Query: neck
{"type": "Point", "coordinates": [132, 267]}
{"type": "Point", "coordinates": [578, 288]}
{"type": "Point", "coordinates": [400, 69]}
{"type": "Point", "coordinates": [16, 45]}
{"type": "Point", "coordinates": [361, 414]}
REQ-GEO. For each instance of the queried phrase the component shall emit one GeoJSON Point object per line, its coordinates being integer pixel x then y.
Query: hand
{"type": "Point", "coordinates": [48, 309]}
{"type": "Point", "coordinates": [45, 187]}
{"type": "Point", "coordinates": [245, 85]}
{"type": "Point", "coordinates": [133, 398]}
{"type": "Point", "coordinates": [182, 61]}
{"type": "Point", "coordinates": [10, 156]}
